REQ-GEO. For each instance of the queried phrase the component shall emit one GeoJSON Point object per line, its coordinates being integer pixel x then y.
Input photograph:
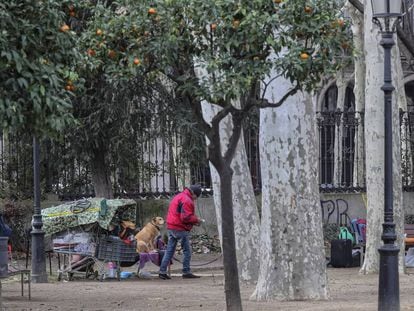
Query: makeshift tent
{"type": "Point", "coordinates": [87, 211]}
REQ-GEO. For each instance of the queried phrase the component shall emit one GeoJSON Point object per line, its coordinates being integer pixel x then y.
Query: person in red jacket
{"type": "Point", "coordinates": [180, 220]}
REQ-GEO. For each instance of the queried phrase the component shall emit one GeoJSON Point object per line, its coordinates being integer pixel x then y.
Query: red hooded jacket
{"type": "Point", "coordinates": [181, 215]}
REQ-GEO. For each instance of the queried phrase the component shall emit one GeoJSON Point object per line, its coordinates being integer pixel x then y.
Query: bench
{"type": "Point", "coordinates": [12, 271]}
{"type": "Point", "coordinates": [22, 272]}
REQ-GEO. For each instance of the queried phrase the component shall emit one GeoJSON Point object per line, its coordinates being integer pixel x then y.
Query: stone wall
{"type": "Point", "coordinates": [19, 214]}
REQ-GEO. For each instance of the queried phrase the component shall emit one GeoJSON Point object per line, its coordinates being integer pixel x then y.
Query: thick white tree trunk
{"type": "Point", "coordinates": [341, 84]}
{"type": "Point", "coordinates": [359, 91]}
{"type": "Point", "coordinates": [246, 216]}
{"type": "Point", "coordinates": [400, 102]}
{"type": "Point", "coordinates": [374, 134]}
{"type": "Point", "coordinates": [292, 261]}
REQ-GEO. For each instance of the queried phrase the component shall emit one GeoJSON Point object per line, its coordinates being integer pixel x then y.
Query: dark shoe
{"type": "Point", "coordinates": [164, 276]}
{"type": "Point", "coordinates": [190, 276]}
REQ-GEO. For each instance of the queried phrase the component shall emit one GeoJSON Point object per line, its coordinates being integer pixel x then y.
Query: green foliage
{"type": "Point", "coordinates": [233, 43]}
{"type": "Point", "coordinates": [209, 49]}
{"type": "Point", "coordinates": [122, 65]}
{"type": "Point", "coordinates": [35, 62]}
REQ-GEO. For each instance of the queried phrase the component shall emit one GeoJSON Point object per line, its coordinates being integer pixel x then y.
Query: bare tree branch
{"type": "Point", "coordinates": [264, 103]}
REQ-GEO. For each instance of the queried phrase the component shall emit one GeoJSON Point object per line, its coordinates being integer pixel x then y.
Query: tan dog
{"type": "Point", "coordinates": [146, 237]}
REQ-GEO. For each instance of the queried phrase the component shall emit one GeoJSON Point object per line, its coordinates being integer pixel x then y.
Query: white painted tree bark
{"type": "Point", "coordinates": [374, 138]}
{"type": "Point", "coordinates": [400, 103]}
{"type": "Point", "coordinates": [292, 261]}
{"type": "Point", "coordinates": [246, 216]}
{"type": "Point", "coordinates": [359, 90]}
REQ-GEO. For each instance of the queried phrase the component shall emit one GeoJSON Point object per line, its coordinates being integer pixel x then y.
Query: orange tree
{"type": "Point", "coordinates": [37, 51]}
{"type": "Point", "coordinates": [218, 51]}
{"type": "Point", "coordinates": [213, 50]}
{"type": "Point", "coordinates": [116, 97]}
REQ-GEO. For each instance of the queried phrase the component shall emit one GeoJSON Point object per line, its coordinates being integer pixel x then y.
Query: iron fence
{"type": "Point", "coordinates": [341, 151]}
{"type": "Point", "coordinates": [156, 171]}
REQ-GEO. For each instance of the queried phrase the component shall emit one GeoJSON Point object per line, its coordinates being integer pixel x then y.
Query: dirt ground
{"type": "Point", "coordinates": [348, 291]}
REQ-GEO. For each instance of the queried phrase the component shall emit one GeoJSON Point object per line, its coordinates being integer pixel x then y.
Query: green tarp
{"type": "Point", "coordinates": [87, 211]}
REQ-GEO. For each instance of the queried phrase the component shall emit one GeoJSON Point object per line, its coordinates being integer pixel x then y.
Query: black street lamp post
{"type": "Point", "coordinates": [39, 274]}
{"type": "Point", "coordinates": [386, 14]}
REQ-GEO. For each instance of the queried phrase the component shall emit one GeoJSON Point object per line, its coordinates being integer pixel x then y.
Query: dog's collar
{"type": "Point", "coordinates": [156, 226]}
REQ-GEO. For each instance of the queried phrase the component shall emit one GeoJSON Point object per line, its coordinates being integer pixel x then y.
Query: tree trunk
{"type": "Point", "coordinates": [101, 174]}
{"type": "Point", "coordinates": [246, 216]}
{"type": "Point", "coordinates": [359, 91]}
{"type": "Point", "coordinates": [292, 261]}
{"type": "Point", "coordinates": [400, 101]}
{"type": "Point", "coordinates": [374, 138]}
{"type": "Point", "coordinates": [231, 286]}
{"type": "Point", "coordinates": [223, 166]}
{"type": "Point", "coordinates": [341, 84]}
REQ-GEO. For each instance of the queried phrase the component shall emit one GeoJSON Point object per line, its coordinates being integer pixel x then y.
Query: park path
{"type": "Point", "coordinates": [349, 291]}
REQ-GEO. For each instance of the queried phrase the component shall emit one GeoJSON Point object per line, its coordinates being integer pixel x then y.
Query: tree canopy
{"type": "Point", "coordinates": [90, 53]}
{"type": "Point", "coordinates": [37, 52]}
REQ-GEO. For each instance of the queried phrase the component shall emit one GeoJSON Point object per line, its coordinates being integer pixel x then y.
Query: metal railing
{"type": "Point", "coordinates": [341, 151]}
{"type": "Point", "coordinates": [155, 169]}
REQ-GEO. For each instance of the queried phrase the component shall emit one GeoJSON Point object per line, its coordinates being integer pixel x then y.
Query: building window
{"type": "Point", "coordinates": [349, 129]}
{"type": "Point", "coordinates": [339, 128]}
{"type": "Point", "coordinates": [326, 126]}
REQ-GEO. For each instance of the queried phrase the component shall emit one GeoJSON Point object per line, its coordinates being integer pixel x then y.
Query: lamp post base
{"type": "Point", "coordinates": [389, 286]}
{"type": "Point", "coordinates": [38, 274]}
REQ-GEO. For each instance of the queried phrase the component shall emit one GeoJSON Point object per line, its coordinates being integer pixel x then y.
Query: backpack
{"type": "Point", "coordinates": [5, 230]}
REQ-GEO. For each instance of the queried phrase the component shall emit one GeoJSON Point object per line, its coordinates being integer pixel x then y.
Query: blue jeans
{"type": "Point", "coordinates": [173, 237]}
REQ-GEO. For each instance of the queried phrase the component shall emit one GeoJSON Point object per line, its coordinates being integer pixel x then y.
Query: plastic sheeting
{"type": "Point", "coordinates": [87, 211]}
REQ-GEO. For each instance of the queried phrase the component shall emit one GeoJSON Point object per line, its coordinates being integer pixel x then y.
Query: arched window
{"type": "Point", "coordinates": [349, 128]}
{"type": "Point", "coordinates": [338, 125]}
{"type": "Point", "coordinates": [326, 125]}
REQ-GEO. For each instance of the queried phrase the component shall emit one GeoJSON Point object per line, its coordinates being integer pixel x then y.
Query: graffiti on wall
{"type": "Point", "coordinates": [335, 212]}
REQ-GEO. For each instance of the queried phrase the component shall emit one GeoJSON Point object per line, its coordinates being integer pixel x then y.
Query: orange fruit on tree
{"type": "Point", "coordinates": [304, 56]}
{"type": "Point", "coordinates": [111, 54]}
{"type": "Point", "coordinates": [72, 13]}
{"type": "Point", "coordinates": [152, 11]}
{"type": "Point", "coordinates": [308, 9]}
{"type": "Point", "coordinates": [277, 1]}
{"type": "Point", "coordinates": [71, 88]}
{"type": "Point", "coordinates": [213, 26]}
{"type": "Point", "coordinates": [340, 22]}
{"type": "Point", "coordinates": [136, 61]}
{"type": "Point", "coordinates": [67, 87]}
{"type": "Point", "coordinates": [236, 23]}
{"type": "Point", "coordinates": [91, 52]}
{"type": "Point", "coordinates": [64, 28]}
{"type": "Point", "coordinates": [99, 32]}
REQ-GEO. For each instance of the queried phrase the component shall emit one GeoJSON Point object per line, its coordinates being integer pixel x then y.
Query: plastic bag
{"type": "Point", "coordinates": [409, 258]}
{"type": "Point", "coordinates": [344, 234]}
